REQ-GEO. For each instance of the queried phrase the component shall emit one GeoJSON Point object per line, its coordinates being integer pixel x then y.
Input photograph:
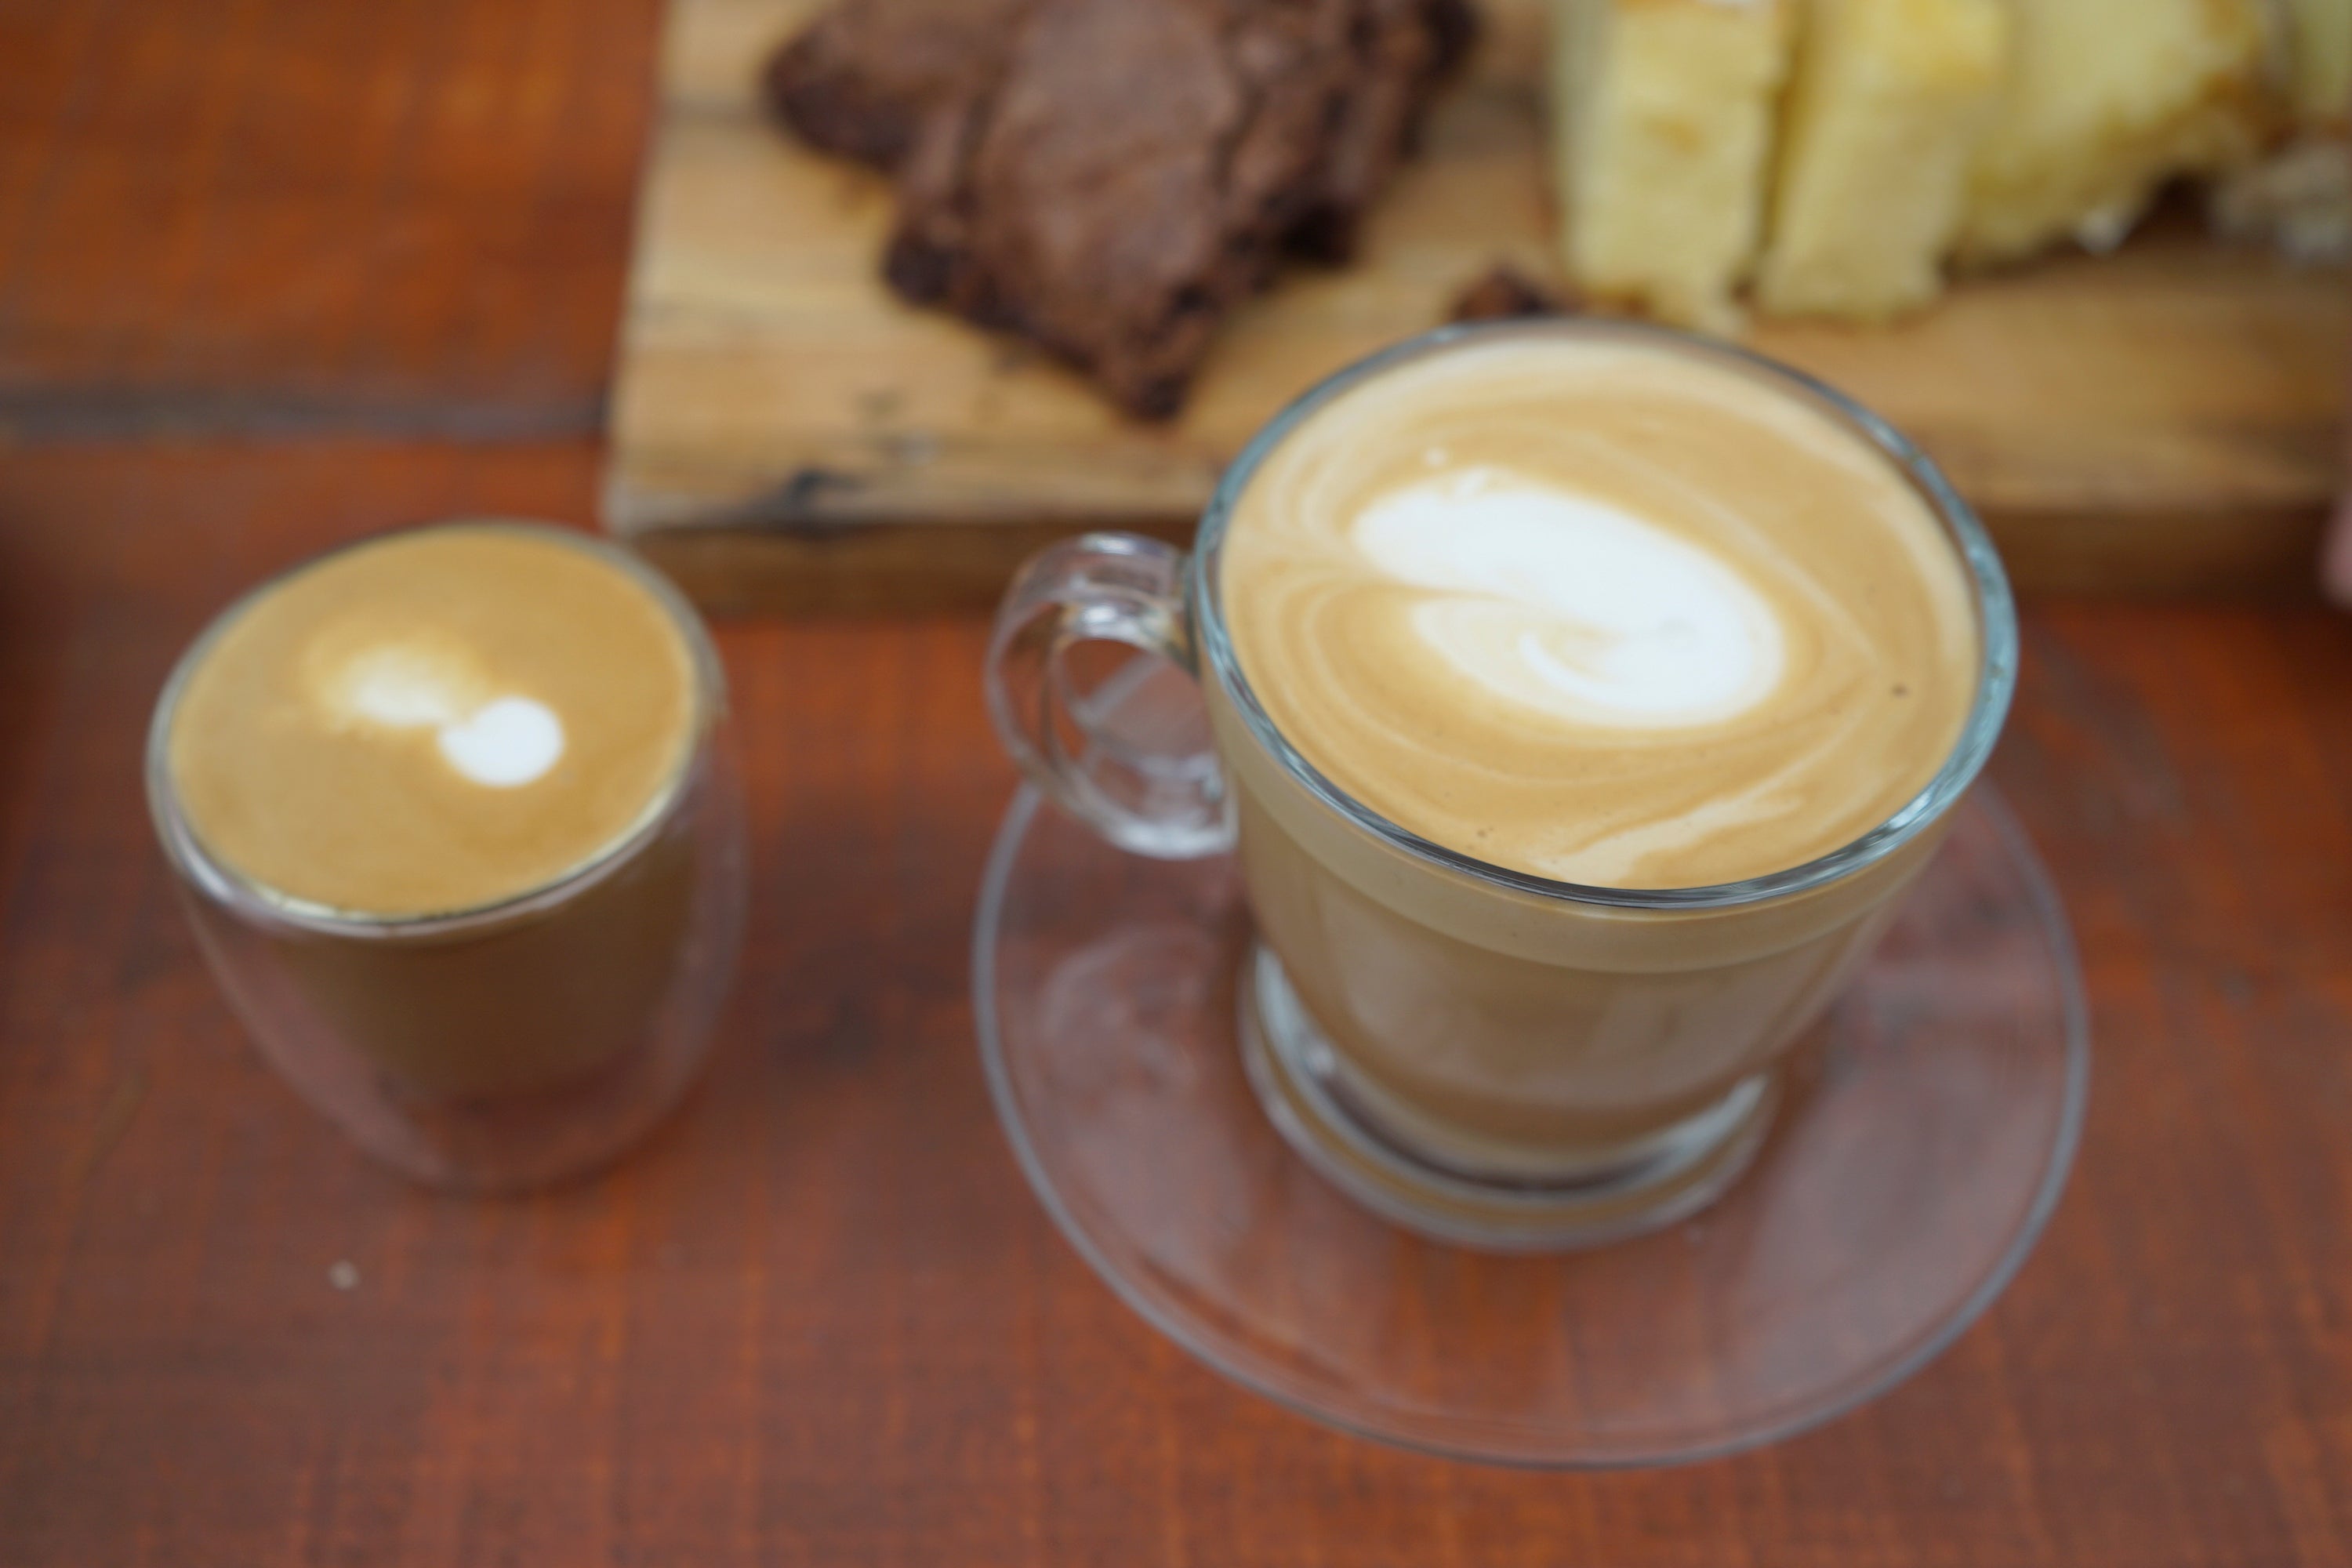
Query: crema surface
{"type": "Point", "coordinates": [433, 721]}
{"type": "Point", "coordinates": [1608, 614]}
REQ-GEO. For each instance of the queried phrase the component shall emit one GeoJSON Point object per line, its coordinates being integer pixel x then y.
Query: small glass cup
{"type": "Point", "coordinates": [1603, 1060]}
{"type": "Point", "coordinates": [510, 1046]}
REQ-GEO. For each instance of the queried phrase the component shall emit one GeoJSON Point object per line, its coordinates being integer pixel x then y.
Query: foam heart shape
{"type": "Point", "coordinates": [1574, 606]}
{"type": "Point", "coordinates": [505, 744]}
{"type": "Point", "coordinates": [404, 686]}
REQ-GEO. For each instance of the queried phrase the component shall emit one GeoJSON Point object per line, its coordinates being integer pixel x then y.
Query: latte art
{"type": "Point", "coordinates": [428, 683]}
{"type": "Point", "coordinates": [511, 742]}
{"type": "Point", "coordinates": [1570, 607]}
{"type": "Point", "coordinates": [433, 721]}
{"type": "Point", "coordinates": [1600, 614]}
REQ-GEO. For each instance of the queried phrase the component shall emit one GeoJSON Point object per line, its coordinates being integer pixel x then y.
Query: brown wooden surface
{"type": "Point", "coordinates": [2163, 418]}
{"type": "Point", "coordinates": [820, 1320]}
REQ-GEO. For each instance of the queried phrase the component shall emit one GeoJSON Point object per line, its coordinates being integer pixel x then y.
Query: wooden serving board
{"type": "Point", "coordinates": [786, 433]}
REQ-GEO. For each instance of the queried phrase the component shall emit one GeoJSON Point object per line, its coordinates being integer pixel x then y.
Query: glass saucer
{"type": "Point", "coordinates": [1924, 1142]}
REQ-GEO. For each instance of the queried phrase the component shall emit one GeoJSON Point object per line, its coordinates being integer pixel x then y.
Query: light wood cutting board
{"type": "Point", "coordinates": [785, 434]}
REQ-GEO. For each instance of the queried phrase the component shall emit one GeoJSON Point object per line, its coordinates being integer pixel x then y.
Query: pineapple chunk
{"type": "Point", "coordinates": [1663, 121]}
{"type": "Point", "coordinates": [2107, 101]}
{"type": "Point", "coordinates": [1887, 104]}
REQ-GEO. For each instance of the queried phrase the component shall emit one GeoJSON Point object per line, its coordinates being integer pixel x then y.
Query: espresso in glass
{"type": "Point", "coordinates": [460, 842]}
{"type": "Point", "coordinates": [1583, 697]}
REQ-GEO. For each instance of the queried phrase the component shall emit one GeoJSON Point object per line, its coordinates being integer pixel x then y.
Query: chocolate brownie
{"type": "Point", "coordinates": [1128, 178]}
{"type": "Point", "coordinates": [1402, 48]}
{"type": "Point", "coordinates": [1110, 177]}
{"type": "Point", "coordinates": [860, 78]}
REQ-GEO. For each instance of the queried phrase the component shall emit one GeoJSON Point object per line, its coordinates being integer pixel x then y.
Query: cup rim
{"type": "Point", "coordinates": [1995, 605]}
{"type": "Point", "coordinates": [211, 877]}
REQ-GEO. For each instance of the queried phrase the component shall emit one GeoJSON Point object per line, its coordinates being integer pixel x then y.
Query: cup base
{"type": "Point", "coordinates": [1665, 1178]}
{"type": "Point", "coordinates": [521, 1141]}
{"type": "Point", "coordinates": [1922, 1136]}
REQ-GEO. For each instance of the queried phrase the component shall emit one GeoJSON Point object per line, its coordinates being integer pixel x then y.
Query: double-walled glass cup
{"type": "Point", "coordinates": [515, 1043]}
{"type": "Point", "coordinates": [1486, 1055]}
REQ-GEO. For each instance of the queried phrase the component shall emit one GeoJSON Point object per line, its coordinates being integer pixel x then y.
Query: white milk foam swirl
{"type": "Point", "coordinates": [501, 742]}
{"type": "Point", "coordinates": [1573, 606]}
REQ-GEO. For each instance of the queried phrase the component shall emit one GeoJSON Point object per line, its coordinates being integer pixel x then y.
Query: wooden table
{"type": "Point", "coordinates": [274, 273]}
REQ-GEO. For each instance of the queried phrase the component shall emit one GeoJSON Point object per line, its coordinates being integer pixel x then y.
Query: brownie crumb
{"type": "Point", "coordinates": [1506, 294]}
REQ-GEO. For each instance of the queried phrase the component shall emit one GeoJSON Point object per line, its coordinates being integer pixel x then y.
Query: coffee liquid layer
{"type": "Point", "coordinates": [433, 722]}
{"type": "Point", "coordinates": [1605, 614]}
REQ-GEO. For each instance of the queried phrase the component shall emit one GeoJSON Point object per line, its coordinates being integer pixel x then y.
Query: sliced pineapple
{"type": "Point", "coordinates": [1664, 115]}
{"type": "Point", "coordinates": [1887, 104]}
{"type": "Point", "coordinates": [2107, 99]}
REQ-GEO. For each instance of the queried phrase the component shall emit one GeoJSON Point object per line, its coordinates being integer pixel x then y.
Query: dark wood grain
{"type": "Point", "coordinates": [273, 274]}
{"type": "Point", "coordinates": [277, 217]}
{"type": "Point", "coordinates": [820, 1320]}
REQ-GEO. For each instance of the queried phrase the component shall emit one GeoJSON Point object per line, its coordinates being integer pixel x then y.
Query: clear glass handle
{"type": "Point", "coordinates": [1152, 789]}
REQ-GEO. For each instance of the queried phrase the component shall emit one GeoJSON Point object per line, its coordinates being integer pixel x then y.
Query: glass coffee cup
{"type": "Point", "coordinates": [511, 1040]}
{"type": "Point", "coordinates": [1484, 1054]}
